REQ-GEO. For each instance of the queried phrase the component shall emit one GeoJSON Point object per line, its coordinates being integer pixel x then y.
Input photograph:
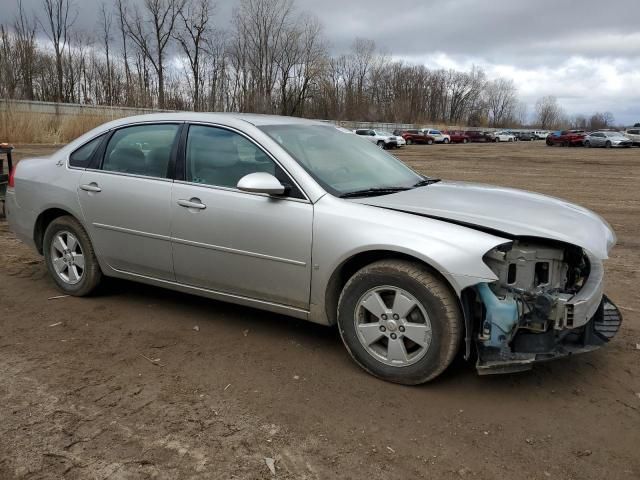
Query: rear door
{"type": "Point", "coordinates": [126, 200]}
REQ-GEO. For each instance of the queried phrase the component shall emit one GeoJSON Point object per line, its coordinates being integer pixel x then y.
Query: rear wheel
{"type": "Point", "coordinates": [465, 140]}
{"type": "Point", "coordinates": [70, 257]}
{"type": "Point", "coordinates": [429, 142]}
{"type": "Point", "coordinates": [409, 141]}
{"type": "Point", "coordinates": [399, 321]}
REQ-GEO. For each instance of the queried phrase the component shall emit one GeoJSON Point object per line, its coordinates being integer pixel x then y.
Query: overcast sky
{"type": "Point", "coordinates": [587, 52]}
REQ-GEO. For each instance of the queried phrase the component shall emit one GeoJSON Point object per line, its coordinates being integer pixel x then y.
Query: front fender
{"type": "Point", "coordinates": [343, 229]}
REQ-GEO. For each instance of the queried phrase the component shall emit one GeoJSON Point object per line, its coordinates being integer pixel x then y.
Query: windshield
{"type": "Point", "coordinates": [342, 163]}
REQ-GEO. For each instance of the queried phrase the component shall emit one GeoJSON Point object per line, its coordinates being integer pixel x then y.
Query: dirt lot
{"type": "Point", "coordinates": [78, 398]}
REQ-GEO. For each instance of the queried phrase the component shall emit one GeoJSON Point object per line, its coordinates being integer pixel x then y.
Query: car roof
{"type": "Point", "coordinates": [214, 117]}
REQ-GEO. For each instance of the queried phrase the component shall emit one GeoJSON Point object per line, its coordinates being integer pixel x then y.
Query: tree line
{"type": "Point", "coordinates": [273, 58]}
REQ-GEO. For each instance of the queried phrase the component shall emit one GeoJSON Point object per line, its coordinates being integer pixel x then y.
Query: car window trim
{"type": "Point", "coordinates": [99, 161]}
{"type": "Point", "coordinates": [182, 159]}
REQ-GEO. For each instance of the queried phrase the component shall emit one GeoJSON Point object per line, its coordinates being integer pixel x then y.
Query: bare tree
{"type": "Point", "coordinates": [60, 16]}
{"type": "Point", "coordinates": [152, 40]}
{"type": "Point", "coordinates": [600, 120]}
{"type": "Point", "coordinates": [501, 101]}
{"type": "Point", "coordinates": [548, 112]}
{"type": "Point", "coordinates": [193, 36]}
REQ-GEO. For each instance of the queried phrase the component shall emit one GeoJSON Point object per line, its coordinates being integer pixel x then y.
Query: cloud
{"type": "Point", "coordinates": [586, 53]}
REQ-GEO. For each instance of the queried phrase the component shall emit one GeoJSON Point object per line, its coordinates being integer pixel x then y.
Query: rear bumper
{"type": "Point", "coordinates": [598, 331]}
{"type": "Point", "coordinates": [21, 221]}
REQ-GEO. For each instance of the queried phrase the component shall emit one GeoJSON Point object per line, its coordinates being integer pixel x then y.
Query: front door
{"type": "Point", "coordinates": [227, 240]}
{"type": "Point", "coordinates": [127, 201]}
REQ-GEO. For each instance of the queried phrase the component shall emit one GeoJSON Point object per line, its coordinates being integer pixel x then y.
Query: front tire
{"type": "Point", "coordinates": [399, 321]}
{"type": "Point", "coordinates": [380, 144]}
{"type": "Point", "coordinates": [445, 141]}
{"type": "Point", "coordinates": [429, 142]}
{"type": "Point", "coordinates": [70, 257]}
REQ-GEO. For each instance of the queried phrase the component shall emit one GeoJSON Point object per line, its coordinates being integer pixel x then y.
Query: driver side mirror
{"type": "Point", "coordinates": [261, 182]}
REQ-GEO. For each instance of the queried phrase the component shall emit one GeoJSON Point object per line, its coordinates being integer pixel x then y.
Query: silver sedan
{"type": "Point", "coordinates": [295, 217]}
{"type": "Point", "coordinates": [607, 140]}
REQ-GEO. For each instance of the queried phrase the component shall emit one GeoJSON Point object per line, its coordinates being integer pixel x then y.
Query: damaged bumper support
{"type": "Point", "coordinates": [547, 303]}
{"type": "Point", "coordinates": [598, 331]}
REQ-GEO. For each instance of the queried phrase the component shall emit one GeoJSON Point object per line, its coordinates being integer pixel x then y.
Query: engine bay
{"type": "Point", "coordinates": [529, 306]}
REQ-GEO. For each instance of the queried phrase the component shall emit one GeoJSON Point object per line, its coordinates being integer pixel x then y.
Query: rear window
{"type": "Point", "coordinates": [81, 157]}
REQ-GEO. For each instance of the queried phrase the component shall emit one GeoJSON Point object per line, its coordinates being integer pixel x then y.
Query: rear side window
{"type": "Point", "coordinates": [83, 155]}
{"type": "Point", "coordinates": [141, 150]}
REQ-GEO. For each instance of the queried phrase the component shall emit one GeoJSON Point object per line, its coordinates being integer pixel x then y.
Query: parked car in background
{"type": "Point", "coordinates": [416, 136]}
{"type": "Point", "coordinates": [607, 139]}
{"type": "Point", "coordinates": [380, 138]}
{"type": "Point", "coordinates": [438, 136]}
{"type": "Point", "coordinates": [634, 135]}
{"type": "Point", "coordinates": [566, 138]}
{"type": "Point", "coordinates": [504, 136]}
{"type": "Point", "coordinates": [458, 137]}
{"type": "Point", "coordinates": [477, 136]}
{"type": "Point", "coordinates": [540, 134]}
{"type": "Point", "coordinates": [525, 136]}
{"type": "Point", "coordinates": [294, 217]}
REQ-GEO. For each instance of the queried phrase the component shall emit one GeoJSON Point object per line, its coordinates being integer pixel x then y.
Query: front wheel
{"type": "Point", "coordinates": [70, 257]}
{"type": "Point", "coordinates": [399, 321]}
{"type": "Point", "coordinates": [465, 140]}
{"type": "Point", "coordinates": [587, 144]}
{"type": "Point", "coordinates": [429, 142]}
{"type": "Point", "coordinates": [445, 141]}
{"type": "Point", "coordinates": [608, 144]}
{"type": "Point", "coordinates": [380, 144]}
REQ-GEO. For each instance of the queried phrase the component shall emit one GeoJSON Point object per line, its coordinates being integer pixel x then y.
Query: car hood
{"type": "Point", "coordinates": [504, 210]}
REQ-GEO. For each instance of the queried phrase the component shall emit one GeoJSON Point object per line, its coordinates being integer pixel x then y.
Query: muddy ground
{"type": "Point", "coordinates": [122, 386]}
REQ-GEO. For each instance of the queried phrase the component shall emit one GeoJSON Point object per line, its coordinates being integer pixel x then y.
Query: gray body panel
{"type": "Point", "coordinates": [280, 254]}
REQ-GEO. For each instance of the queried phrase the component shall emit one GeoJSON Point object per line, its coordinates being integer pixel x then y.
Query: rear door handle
{"type": "Point", "coordinates": [92, 187]}
{"type": "Point", "coordinates": [192, 203]}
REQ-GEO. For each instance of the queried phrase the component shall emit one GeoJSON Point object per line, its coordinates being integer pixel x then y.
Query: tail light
{"type": "Point", "coordinates": [12, 180]}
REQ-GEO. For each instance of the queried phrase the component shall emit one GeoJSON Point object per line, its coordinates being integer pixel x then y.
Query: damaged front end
{"type": "Point", "coordinates": [547, 303]}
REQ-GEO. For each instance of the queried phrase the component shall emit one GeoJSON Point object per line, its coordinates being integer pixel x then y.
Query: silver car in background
{"type": "Point", "coordinates": [607, 139]}
{"type": "Point", "coordinates": [295, 217]}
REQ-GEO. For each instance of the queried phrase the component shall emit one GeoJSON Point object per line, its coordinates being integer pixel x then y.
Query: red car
{"type": "Point", "coordinates": [416, 136]}
{"type": "Point", "coordinates": [458, 137]}
{"type": "Point", "coordinates": [566, 138]}
{"type": "Point", "coordinates": [477, 137]}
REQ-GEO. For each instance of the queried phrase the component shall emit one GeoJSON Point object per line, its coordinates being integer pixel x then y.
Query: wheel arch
{"type": "Point", "coordinates": [44, 219]}
{"type": "Point", "coordinates": [348, 267]}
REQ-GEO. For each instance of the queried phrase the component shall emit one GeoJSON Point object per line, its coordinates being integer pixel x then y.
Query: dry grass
{"type": "Point", "coordinates": [25, 127]}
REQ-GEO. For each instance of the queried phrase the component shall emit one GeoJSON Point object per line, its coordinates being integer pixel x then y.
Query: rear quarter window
{"type": "Point", "coordinates": [81, 158]}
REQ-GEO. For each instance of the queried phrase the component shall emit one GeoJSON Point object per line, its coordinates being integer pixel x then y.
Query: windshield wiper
{"type": "Point", "coordinates": [372, 192]}
{"type": "Point", "coordinates": [427, 181]}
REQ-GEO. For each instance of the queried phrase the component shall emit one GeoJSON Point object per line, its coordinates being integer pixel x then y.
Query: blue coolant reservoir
{"type": "Point", "coordinates": [501, 317]}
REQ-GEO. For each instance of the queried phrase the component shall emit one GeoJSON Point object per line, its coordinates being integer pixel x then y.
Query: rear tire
{"type": "Point", "coordinates": [409, 141]}
{"type": "Point", "coordinates": [70, 258]}
{"type": "Point", "coordinates": [429, 142]}
{"type": "Point", "coordinates": [465, 140]}
{"type": "Point", "coordinates": [410, 303]}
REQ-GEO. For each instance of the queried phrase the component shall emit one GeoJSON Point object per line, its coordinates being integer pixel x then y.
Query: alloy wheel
{"type": "Point", "coordinates": [393, 326]}
{"type": "Point", "coordinates": [67, 257]}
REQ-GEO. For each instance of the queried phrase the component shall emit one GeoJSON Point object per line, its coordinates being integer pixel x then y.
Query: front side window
{"type": "Point", "coordinates": [141, 150]}
{"type": "Point", "coordinates": [341, 164]}
{"type": "Point", "coordinates": [220, 158]}
{"type": "Point", "coordinates": [81, 157]}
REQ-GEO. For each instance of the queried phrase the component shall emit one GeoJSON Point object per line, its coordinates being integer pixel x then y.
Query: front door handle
{"type": "Point", "coordinates": [192, 203]}
{"type": "Point", "coordinates": [92, 187]}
